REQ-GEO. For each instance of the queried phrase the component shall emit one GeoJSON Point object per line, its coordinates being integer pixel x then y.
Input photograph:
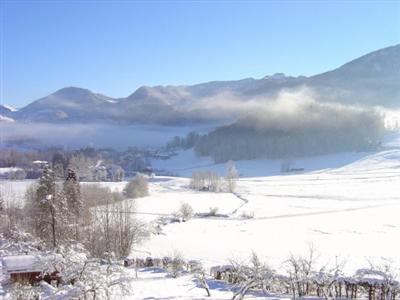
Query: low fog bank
{"type": "Point", "coordinates": [71, 136]}
{"type": "Point", "coordinates": [295, 125]}
{"type": "Point", "coordinates": [290, 123]}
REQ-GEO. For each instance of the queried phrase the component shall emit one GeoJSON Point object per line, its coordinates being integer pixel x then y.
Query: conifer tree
{"type": "Point", "coordinates": [46, 208]}
{"type": "Point", "coordinates": [73, 197]}
{"type": "Point", "coordinates": [1, 202]}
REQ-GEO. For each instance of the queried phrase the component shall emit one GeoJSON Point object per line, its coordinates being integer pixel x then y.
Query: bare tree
{"type": "Point", "coordinates": [138, 187]}
{"type": "Point", "coordinates": [205, 181]}
{"type": "Point", "coordinates": [96, 195]}
{"type": "Point", "coordinates": [185, 212]}
{"type": "Point", "coordinates": [113, 230]}
{"type": "Point", "coordinates": [82, 166]}
{"type": "Point", "coordinates": [231, 176]}
{"type": "Point", "coordinates": [301, 269]}
{"type": "Point", "coordinates": [197, 269]}
{"type": "Point", "coordinates": [176, 264]}
{"type": "Point", "coordinates": [255, 275]}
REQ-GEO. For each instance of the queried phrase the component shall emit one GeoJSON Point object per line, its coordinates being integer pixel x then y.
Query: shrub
{"type": "Point", "coordinates": [138, 187]}
{"type": "Point", "coordinates": [184, 213]}
{"type": "Point", "coordinates": [247, 215]}
{"type": "Point", "coordinates": [213, 211]}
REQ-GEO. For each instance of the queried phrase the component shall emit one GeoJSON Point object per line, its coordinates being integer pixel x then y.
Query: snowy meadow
{"type": "Point", "coordinates": [345, 206]}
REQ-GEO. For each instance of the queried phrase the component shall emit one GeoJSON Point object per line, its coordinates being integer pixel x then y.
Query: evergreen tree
{"type": "Point", "coordinates": [1, 202]}
{"type": "Point", "coordinates": [46, 208]}
{"type": "Point", "coordinates": [58, 171]}
{"type": "Point", "coordinates": [73, 197]}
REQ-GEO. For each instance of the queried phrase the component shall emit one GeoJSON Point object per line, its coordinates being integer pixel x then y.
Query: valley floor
{"type": "Point", "coordinates": [350, 210]}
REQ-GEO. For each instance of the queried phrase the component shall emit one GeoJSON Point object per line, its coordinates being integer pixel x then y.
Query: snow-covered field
{"type": "Point", "coordinates": [351, 212]}
{"type": "Point", "coordinates": [153, 283]}
{"type": "Point", "coordinates": [346, 205]}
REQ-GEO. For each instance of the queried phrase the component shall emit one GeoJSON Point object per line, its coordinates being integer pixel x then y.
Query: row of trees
{"type": "Point", "coordinates": [183, 143]}
{"type": "Point", "coordinates": [303, 278]}
{"type": "Point", "coordinates": [211, 181]}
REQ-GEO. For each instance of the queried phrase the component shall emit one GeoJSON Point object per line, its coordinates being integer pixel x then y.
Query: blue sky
{"type": "Point", "coordinates": [113, 47]}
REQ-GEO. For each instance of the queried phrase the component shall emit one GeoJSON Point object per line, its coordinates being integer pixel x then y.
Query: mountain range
{"type": "Point", "coordinates": [371, 80]}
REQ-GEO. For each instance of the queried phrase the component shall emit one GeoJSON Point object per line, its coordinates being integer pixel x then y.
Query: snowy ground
{"type": "Point", "coordinates": [153, 283]}
{"type": "Point", "coordinates": [186, 162]}
{"type": "Point", "coordinates": [350, 212]}
{"type": "Point", "coordinates": [347, 205]}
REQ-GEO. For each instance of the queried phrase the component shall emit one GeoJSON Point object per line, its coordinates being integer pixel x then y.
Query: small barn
{"type": "Point", "coordinates": [28, 268]}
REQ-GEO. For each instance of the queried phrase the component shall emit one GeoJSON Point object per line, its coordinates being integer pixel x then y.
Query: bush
{"type": "Point", "coordinates": [138, 187]}
{"type": "Point", "coordinates": [213, 211]}
{"type": "Point", "coordinates": [97, 195]}
{"type": "Point", "coordinates": [184, 213]}
{"type": "Point", "coordinates": [176, 265]}
{"type": "Point", "coordinates": [247, 215]}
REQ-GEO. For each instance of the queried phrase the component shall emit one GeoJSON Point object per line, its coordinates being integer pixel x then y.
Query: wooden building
{"type": "Point", "coordinates": [28, 268]}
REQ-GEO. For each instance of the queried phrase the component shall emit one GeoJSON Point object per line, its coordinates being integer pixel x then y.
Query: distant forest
{"type": "Point", "coordinates": [319, 130]}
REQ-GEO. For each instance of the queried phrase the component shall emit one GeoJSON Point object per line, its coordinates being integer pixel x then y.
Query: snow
{"type": "Point", "coordinates": [21, 263]}
{"type": "Point", "coordinates": [10, 107]}
{"type": "Point", "coordinates": [13, 191]}
{"type": "Point", "coordinates": [186, 162]}
{"type": "Point", "coordinates": [4, 171]}
{"type": "Point", "coordinates": [391, 119]}
{"type": "Point", "coordinates": [153, 283]}
{"type": "Point", "coordinates": [346, 205]}
{"type": "Point", "coordinates": [350, 211]}
{"type": "Point", "coordinates": [40, 162]}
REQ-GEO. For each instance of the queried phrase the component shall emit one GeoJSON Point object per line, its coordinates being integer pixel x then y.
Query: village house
{"type": "Point", "coordinates": [29, 268]}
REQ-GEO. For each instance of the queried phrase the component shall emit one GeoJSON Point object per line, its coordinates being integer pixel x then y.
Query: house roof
{"type": "Point", "coordinates": [40, 162]}
{"type": "Point", "coordinates": [25, 263]}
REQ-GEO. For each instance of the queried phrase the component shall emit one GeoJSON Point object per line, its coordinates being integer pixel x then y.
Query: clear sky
{"type": "Point", "coordinates": [113, 47]}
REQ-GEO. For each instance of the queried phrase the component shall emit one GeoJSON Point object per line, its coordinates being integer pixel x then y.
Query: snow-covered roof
{"type": "Point", "coordinates": [25, 263]}
{"type": "Point", "coordinates": [40, 162]}
{"type": "Point", "coordinates": [9, 170]}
